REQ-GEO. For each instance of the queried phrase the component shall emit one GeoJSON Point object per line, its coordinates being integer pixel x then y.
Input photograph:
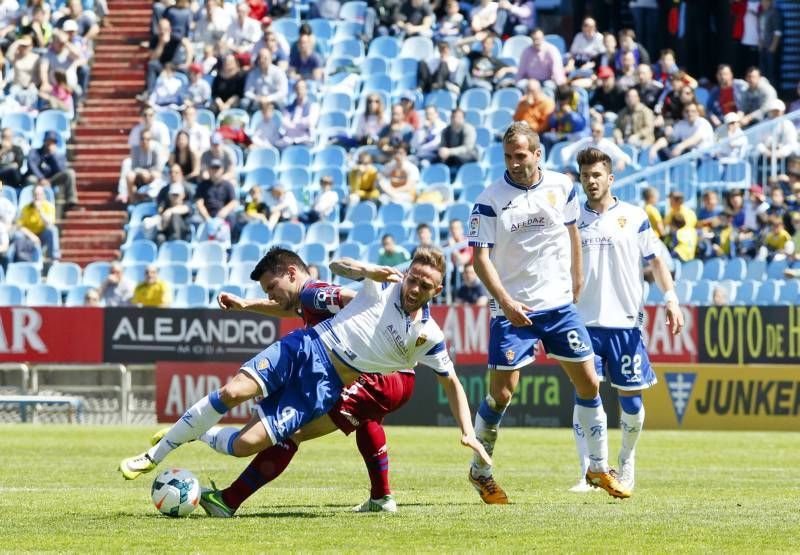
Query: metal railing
{"type": "Point", "coordinates": [663, 172]}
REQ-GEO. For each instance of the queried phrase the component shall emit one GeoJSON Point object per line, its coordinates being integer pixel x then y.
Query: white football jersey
{"type": "Point", "coordinates": [525, 228]}
{"type": "Point", "coordinates": [613, 244]}
{"type": "Point", "coordinates": [373, 334]}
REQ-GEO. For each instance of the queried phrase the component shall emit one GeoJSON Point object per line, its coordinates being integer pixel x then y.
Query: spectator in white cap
{"type": "Point", "coordinates": [780, 140]}
{"type": "Point", "coordinates": [732, 143]}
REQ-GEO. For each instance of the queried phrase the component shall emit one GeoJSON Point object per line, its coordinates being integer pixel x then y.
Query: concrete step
{"type": "Point", "coordinates": [81, 227]}
{"type": "Point", "coordinates": [85, 257]}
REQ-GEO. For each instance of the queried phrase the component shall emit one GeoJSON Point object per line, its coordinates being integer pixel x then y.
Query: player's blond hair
{"type": "Point", "coordinates": [429, 256]}
{"type": "Point", "coordinates": [522, 129]}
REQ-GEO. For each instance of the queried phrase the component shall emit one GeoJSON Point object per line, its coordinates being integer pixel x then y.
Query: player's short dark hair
{"type": "Point", "coordinates": [522, 129]}
{"type": "Point", "coordinates": [277, 262]}
{"type": "Point", "coordinates": [592, 156]}
{"type": "Point", "coordinates": [429, 256]}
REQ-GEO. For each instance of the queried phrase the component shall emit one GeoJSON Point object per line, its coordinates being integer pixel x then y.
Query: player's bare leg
{"type": "Point", "coordinates": [502, 385]}
{"type": "Point", "coordinates": [592, 419]}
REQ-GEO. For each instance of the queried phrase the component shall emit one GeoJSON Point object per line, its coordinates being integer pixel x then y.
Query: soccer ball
{"type": "Point", "coordinates": [175, 492]}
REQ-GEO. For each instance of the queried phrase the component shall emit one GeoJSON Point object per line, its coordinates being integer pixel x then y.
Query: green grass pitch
{"type": "Point", "coordinates": [696, 492]}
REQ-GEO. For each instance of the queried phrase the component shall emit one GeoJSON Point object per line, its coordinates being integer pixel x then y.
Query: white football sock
{"type": "Point", "coordinates": [221, 438]}
{"type": "Point", "coordinates": [631, 425]}
{"type": "Point", "coordinates": [487, 422]}
{"type": "Point", "coordinates": [593, 422]}
{"type": "Point", "coordinates": [580, 442]}
{"type": "Point", "coordinates": [194, 422]}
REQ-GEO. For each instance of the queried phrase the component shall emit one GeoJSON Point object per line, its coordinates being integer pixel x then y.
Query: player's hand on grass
{"type": "Point", "coordinates": [516, 313]}
{"type": "Point", "coordinates": [229, 301]}
{"type": "Point", "coordinates": [385, 274]}
{"type": "Point", "coordinates": [674, 318]}
{"type": "Point", "coordinates": [469, 440]}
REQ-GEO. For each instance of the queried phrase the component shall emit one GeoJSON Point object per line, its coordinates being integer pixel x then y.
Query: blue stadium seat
{"type": "Point", "coordinates": [287, 27]}
{"type": "Point", "coordinates": [458, 211]}
{"type": "Point", "coordinates": [322, 28]}
{"type": "Point", "coordinates": [417, 47]}
{"type": "Point", "coordinates": [372, 66]}
{"type": "Point", "coordinates": [471, 192]}
{"type": "Point", "coordinates": [22, 123]}
{"type": "Point", "coordinates": [232, 288]}
{"type": "Point", "coordinates": [730, 286]}
{"type": "Point", "coordinates": [373, 252]}
{"type": "Point", "coordinates": [435, 174]}
{"type": "Point", "coordinates": [295, 156]}
{"type": "Point", "coordinates": [702, 292]}
{"type": "Point", "coordinates": [499, 120]}
{"type": "Point", "coordinates": [134, 272]}
{"type": "Point", "coordinates": [296, 179]}
{"type": "Point", "coordinates": [211, 275]}
{"type": "Point", "coordinates": [141, 211]}
{"type": "Point", "coordinates": [239, 273]}
{"type": "Point", "coordinates": [790, 293]}
{"type": "Point", "coordinates": [483, 137]}
{"type": "Point", "coordinates": [207, 118]}
{"type": "Point", "coordinates": [76, 295]}
{"type": "Point", "coordinates": [11, 295]}
{"type": "Point", "coordinates": [190, 296]}
{"type": "Point", "coordinates": [175, 274]}
{"type": "Point", "coordinates": [683, 289]}
{"type": "Point", "coordinates": [23, 274]}
{"type": "Point", "coordinates": [442, 99]}
{"type": "Point", "coordinates": [289, 232]}
{"type": "Point", "coordinates": [714, 269]}
{"type": "Point", "coordinates": [400, 231]}
{"type": "Point", "coordinates": [174, 252]}
{"type": "Point", "coordinates": [350, 250]}
{"type": "Point", "coordinates": [756, 269]}
{"type": "Point", "coordinates": [331, 155]}
{"type": "Point", "coordinates": [141, 251]}
{"type": "Point", "coordinates": [692, 270]}
{"type": "Point", "coordinates": [736, 175]}
{"type": "Point", "coordinates": [96, 273]}
{"type": "Point", "coordinates": [475, 119]}
{"type": "Point", "coordinates": [171, 119]}
{"type": "Point", "coordinates": [393, 212]}
{"type": "Point", "coordinates": [470, 173]}
{"type": "Point", "coordinates": [776, 268]}
{"type": "Point", "coordinates": [11, 194]}
{"type": "Point", "coordinates": [53, 120]}
{"type": "Point", "coordinates": [207, 252]}
{"type": "Point", "coordinates": [263, 177]}
{"type": "Point", "coordinates": [256, 232]}
{"type": "Point", "coordinates": [325, 233]}
{"type": "Point", "coordinates": [63, 275]}
{"type": "Point", "coordinates": [262, 157]}
{"type": "Point", "coordinates": [769, 292]}
{"type": "Point", "coordinates": [348, 48]}
{"type": "Point", "coordinates": [735, 269]}
{"type": "Point", "coordinates": [384, 47]}
{"type": "Point", "coordinates": [249, 253]}
{"type": "Point", "coordinates": [332, 123]}
{"type": "Point", "coordinates": [558, 42]}
{"type": "Point", "coordinates": [26, 195]}
{"type": "Point", "coordinates": [377, 82]}
{"type": "Point", "coordinates": [354, 11]}
{"type": "Point", "coordinates": [314, 253]}
{"type": "Point", "coordinates": [506, 98]}
{"type": "Point", "coordinates": [555, 158]}
{"type": "Point", "coordinates": [403, 66]}
{"type": "Point", "coordinates": [360, 213]}
{"type": "Point", "coordinates": [43, 295]}
{"type": "Point", "coordinates": [475, 99]}
{"type": "Point", "coordinates": [425, 212]}
{"type": "Point", "coordinates": [747, 292]}
{"type": "Point", "coordinates": [363, 233]}
{"type": "Point", "coordinates": [515, 46]}
{"type": "Point", "coordinates": [654, 296]}
{"type": "Point", "coordinates": [493, 156]}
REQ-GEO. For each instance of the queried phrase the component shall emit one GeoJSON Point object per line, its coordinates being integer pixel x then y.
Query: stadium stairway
{"type": "Point", "coordinates": [99, 145]}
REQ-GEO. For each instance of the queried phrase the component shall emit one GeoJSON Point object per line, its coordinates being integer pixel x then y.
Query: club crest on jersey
{"type": "Point", "coordinates": [474, 225]}
{"type": "Point", "coordinates": [421, 340]}
{"type": "Point", "coordinates": [510, 355]}
{"type": "Point", "coordinates": [551, 198]}
{"type": "Point", "coordinates": [262, 364]}
{"type": "Point", "coordinates": [622, 220]}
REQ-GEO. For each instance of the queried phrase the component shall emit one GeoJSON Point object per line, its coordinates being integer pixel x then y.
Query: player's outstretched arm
{"type": "Point", "coordinates": [353, 269]}
{"type": "Point", "coordinates": [664, 281]}
{"type": "Point", "coordinates": [459, 406]}
{"type": "Point", "coordinates": [267, 307]}
{"type": "Point", "coordinates": [576, 269]}
{"type": "Point", "coordinates": [514, 311]}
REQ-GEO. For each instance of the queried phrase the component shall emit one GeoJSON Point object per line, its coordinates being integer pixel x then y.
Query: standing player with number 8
{"type": "Point", "coordinates": [615, 236]}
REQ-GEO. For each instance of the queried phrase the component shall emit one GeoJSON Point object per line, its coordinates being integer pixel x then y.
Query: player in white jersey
{"type": "Point", "coordinates": [386, 328]}
{"type": "Point", "coordinates": [615, 237]}
{"type": "Point", "coordinates": [527, 254]}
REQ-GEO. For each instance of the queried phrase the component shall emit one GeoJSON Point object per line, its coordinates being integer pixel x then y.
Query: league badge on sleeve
{"type": "Point", "coordinates": [474, 225]}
